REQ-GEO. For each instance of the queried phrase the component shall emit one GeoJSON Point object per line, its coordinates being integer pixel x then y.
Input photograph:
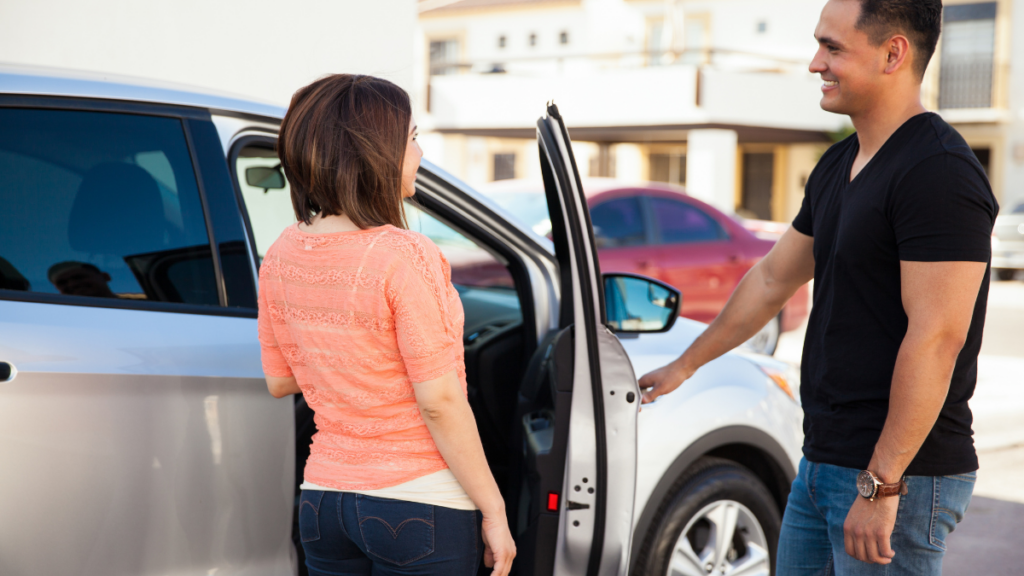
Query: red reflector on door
{"type": "Point", "coordinates": [552, 501]}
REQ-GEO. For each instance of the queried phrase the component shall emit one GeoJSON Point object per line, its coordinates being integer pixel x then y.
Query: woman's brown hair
{"type": "Point", "coordinates": [342, 145]}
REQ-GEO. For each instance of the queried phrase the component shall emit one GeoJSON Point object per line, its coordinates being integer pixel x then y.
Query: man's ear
{"type": "Point", "coordinates": [899, 53]}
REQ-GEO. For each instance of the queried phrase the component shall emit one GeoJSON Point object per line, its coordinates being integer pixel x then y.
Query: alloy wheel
{"type": "Point", "coordinates": [723, 539]}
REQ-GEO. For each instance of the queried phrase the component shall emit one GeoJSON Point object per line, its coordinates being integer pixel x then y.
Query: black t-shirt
{"type": "Point", "coordinates": [923, 197]}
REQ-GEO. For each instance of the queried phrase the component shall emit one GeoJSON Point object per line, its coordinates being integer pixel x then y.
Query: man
{"type": "Point", "coordinates": [895, 230]}
{"type": "Point", "coordinates": [80, 279]}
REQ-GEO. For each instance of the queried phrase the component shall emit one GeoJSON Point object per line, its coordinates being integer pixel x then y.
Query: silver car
{"type": "Point", "coordinates": [136, 430]}
{"type": "Point", "coordinates": [1008, 243]}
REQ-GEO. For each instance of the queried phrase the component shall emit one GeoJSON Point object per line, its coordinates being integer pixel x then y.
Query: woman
{"type": "Point", "coordinates": [360, 316]}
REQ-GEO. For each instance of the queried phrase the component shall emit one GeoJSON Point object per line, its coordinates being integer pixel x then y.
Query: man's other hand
{"type": "Point", "coordinates": [662, 381]}
{"type": "Point", "coordinates": [868, 527]}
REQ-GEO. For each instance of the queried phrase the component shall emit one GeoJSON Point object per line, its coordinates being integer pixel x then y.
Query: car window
{"type": "Point", "coordinates": [1019, 209]}
{"type": "Point", "coordinates": [103, 205]}
{"type": "Point", "coordinates": [268, 200]}
{"type": "Point", "coordinates": [679, 222]}
{"type": "Point", "coordinates": [618, 223]}
{"type": "Point", "coordinates": [531, 208]}
{"type": "Point", "coordinates": [472, 265]}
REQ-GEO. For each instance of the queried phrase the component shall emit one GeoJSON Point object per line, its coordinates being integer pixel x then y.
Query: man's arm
{"type": "Point", "coordinates": [759, 297]}
{"type": "Point", "coordinates": [939, 299]}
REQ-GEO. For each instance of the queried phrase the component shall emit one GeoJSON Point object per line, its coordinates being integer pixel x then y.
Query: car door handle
{"type": "Point", "coordinates": [7, 372]}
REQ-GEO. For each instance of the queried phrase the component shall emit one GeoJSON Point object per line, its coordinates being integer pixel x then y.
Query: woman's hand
{"type": "Point", "coordinates": [499, 548]}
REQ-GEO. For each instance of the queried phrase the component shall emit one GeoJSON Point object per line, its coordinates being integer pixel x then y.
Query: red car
{"type": "Point", "coordinates": [658, 231]}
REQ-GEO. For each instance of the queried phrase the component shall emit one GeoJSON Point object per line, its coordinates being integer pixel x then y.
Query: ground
{"type": "Point", "coordinates": [988, 541]}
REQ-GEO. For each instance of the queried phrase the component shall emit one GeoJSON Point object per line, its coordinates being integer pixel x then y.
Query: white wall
{"type": "Point", "coordinates": [264, 49]}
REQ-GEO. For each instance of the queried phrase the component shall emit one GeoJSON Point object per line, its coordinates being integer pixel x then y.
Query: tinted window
{"type": "Point", "coordinates": [618, 223]}
{"type": "Point", "coordinates": [102, 205]}
{"type": "Point", "coordinates": [679, 222]}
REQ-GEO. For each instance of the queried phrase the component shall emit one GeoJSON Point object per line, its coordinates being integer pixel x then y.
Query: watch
{"type": "Point", "coordinates": [870, 486]}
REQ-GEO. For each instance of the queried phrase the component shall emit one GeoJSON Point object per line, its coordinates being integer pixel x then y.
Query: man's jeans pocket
{"type": "Point", "coordinates": [395, 531]}
{"type": "Point", "coordinates": [309, 515]}
{"type": "Point", "coordinates": [952, 495]}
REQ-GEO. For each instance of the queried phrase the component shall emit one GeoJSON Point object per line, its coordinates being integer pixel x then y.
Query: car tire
{"type": "Point", "coordinates": [767, 338]}
{"type": "Point", "coordinates": [1005, 273]}
{"type": "Point", "coordinates": [714, 494]}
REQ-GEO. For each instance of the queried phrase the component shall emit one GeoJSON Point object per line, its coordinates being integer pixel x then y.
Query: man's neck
{"type": "Point", "coordinates": [876, 125]}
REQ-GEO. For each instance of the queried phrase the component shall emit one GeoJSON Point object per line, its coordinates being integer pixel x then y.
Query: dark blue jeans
{"type": "Point", "coordinates": [352, 534]}
{"type": "Point", "coordinates": [811, 542]}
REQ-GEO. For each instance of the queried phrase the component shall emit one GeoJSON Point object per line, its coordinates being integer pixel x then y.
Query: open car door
{"type": "Point", "coordinates": [595, 515]}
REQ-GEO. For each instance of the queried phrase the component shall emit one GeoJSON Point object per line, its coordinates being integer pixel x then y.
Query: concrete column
{"type": "Point", "coordinates": [629, 161]}
{"type": "Point", "coordinates": [711, 167]}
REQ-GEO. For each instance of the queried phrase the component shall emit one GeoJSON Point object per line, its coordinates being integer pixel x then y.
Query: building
{"type": "Point", "coordinates": [712, 94]}
{"type": "Point", "coordinates": [262, 49]}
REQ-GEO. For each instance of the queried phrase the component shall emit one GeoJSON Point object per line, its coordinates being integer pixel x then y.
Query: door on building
{"type": "Point", "coordinates": [758, 175]}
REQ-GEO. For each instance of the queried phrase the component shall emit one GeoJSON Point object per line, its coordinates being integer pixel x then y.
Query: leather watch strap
{"type": "Point", "coordinates": [894, 489]}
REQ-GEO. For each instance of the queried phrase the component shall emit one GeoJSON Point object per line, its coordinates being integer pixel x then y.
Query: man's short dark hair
{"type": "Point", "coordinates": [919, 20]}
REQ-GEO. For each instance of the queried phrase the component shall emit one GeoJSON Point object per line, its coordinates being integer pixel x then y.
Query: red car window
{"type": "Point", "coordinates": [679, 222]}
{"type": "Point", "coordinates": [618, 223]}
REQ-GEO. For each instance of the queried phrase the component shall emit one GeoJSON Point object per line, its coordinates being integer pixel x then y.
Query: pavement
{"type": "Point", "coordinates": [989, 540]}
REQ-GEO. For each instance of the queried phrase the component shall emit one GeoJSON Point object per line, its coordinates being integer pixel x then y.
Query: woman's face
{"type": "Point", "coordinates": [413, 154]}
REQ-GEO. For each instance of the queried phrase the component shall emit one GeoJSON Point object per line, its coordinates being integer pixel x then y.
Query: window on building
{"type": "Point", "coordinates": [501, 41]}
{"type": "Point", "coordinates": [533, 39]}
{"type": "Point", "coordinates": [618, 223]}
{"type": "Point", "coordinates": [122, 219]}
{"type": "Point", "coordinates": [655, 45]}
{"type": "Point", "coordinates": [563, 37]}
{"type": "Point", "coordinates": [697, 39]}
{"type": "Point", "coordinates": [669, 168]}
{"type": "Point", "coordinates": [444, 57]}
{"type": "Point", "coordinates": [758, 176]}
{"type": "Point", "coordinates": [762, 26]}
{"type": "Point", "coordinates": [504, 166]}
{"type": "Point", "coordinates": [968, 47]}
{"type": "Point", "coordinates": [680, 223]}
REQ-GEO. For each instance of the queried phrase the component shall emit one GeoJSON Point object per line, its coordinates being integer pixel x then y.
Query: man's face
{"type": "Point", "coordinates": [851, 68]}
{"type": "Point", "coordinates": [83, 282]}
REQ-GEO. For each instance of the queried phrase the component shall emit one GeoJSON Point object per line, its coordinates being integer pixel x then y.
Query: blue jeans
{"type": "Point", "coordinates": [353, 534]}
{"type": "Point", "coordinates": [811, 542]}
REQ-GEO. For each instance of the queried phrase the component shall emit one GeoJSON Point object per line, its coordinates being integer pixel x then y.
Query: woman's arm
{"type": "Point", "coordinates": [451, 423]}
{"type": "Point", "coordinates": [282, 386]}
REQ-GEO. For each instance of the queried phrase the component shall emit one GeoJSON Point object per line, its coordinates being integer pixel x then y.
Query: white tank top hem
{"type": "Point", "coordinates": [440, 488]}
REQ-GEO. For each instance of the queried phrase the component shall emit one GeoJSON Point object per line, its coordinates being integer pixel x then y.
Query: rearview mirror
{"type": "Point", "coordinates": [265, 177]}
{"type": "Point", "coordinates": [639, 304]}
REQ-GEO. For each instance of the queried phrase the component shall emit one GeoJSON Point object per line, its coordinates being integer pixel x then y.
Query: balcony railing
{"type": "Point", "coordinates": [965, 83]}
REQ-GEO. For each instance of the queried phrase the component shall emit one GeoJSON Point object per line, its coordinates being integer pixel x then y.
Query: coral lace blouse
{"type": "Point", "coordinates": [356, 318]}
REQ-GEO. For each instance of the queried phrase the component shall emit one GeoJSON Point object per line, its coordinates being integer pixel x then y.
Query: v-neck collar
{"type": "Point", "coordinates": [856, 150]}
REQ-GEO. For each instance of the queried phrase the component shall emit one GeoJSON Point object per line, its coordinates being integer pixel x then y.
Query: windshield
{"type": "Point", "coordinates": [529, 207]}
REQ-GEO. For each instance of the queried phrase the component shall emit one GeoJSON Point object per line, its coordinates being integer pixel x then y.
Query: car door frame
{"type": "Point", "coordinates": [602, 425]}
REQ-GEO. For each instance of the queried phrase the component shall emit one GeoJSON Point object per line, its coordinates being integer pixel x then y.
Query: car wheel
{"type": "Point", "coordinates": [767, 339]}
{"type": "Point", "coordinates": [720, 521]}
{"type": "Point", "coordinates": [1005, 273]}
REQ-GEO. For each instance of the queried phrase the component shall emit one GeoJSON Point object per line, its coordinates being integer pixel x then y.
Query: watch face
{"type": "Point", "coordinates": [865, 484]}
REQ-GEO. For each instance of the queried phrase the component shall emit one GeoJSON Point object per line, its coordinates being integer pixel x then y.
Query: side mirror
{"type": "Point", "coordinates": [639, 304]}
{"type": "Point", "coordinates": [265, 177]}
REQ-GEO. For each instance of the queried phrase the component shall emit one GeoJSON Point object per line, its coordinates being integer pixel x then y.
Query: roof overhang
{"type": "Point", "coordinates": [667, 134]}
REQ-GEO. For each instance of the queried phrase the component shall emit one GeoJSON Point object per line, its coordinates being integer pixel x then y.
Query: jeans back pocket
{"type": "Point", "coordinates": [395, 531]}
{"type": "Point", "coordinates": [309, 515]}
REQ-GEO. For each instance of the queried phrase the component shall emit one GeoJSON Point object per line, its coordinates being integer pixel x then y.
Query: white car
{"type": "Point", "coordinates": [139, 438]}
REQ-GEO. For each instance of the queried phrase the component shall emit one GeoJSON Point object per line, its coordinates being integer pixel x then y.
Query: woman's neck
{"type": "Point", "coordinates": [328, 224]}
